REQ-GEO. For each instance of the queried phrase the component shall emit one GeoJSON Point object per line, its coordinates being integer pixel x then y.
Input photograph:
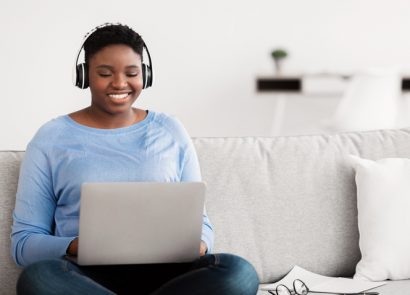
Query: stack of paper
{"type": "Point", "coordinates": [319, 283]}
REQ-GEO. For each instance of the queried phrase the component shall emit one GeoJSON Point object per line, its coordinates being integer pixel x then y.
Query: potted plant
{"type": "Point", "coordinates": [278, 55]}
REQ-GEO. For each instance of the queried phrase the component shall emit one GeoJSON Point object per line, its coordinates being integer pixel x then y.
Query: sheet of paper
{"type": "Point", "coordinates": [309, 278]}
{"type": "Point", "coordinates": [316, 282]}
{"type": "Point", "coordinates": [344, 285]}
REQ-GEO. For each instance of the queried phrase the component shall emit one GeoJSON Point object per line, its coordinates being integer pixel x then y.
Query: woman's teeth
{"type": "Point", "coordinates": [118, 96]}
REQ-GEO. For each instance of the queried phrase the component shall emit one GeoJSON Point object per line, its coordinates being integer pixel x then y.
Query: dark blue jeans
{"type": "Point", "coordinates": [212, 274]}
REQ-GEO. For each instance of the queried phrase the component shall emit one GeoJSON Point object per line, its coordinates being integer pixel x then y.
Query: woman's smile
{"type": "Point", "coordinates": [119, 97]}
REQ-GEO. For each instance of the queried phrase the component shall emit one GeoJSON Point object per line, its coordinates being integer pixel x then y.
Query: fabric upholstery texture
{"type": "Point", "coordinates": [276, 201]}
{"type": "Point", "coordinates": [9, 168]}
{"type": "Point", "coordinates": [284, 201]}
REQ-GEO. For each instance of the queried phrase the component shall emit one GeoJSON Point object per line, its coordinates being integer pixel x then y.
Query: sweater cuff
{"type": "Point", "coordinates": [41, 247]}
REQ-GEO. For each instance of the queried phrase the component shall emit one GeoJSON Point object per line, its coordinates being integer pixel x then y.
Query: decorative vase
{"type": "Point", "coordinates": [278, 66]}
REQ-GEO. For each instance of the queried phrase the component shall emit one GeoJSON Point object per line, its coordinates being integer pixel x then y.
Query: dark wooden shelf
{"type": "Point", "coordinates": [280, 84]}
{"type": "Point", "coordinates": [295, 84]}
{"type": "Point", "coordinates": [405, 84]}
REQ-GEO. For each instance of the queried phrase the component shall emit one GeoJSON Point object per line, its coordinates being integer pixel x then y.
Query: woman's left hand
{"type": "Point", "coordinates": [202, 248]}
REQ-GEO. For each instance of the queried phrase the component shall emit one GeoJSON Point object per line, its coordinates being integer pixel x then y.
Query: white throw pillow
{"type": "Point", "coordinates": [383, 203]}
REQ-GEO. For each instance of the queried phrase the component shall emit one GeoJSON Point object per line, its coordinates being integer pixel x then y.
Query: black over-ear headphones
{"type": "Point", "coordinates": [80, 72]}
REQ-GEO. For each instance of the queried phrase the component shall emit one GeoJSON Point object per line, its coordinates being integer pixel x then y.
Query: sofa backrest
{"type": "Point", "coordinates": [288, 201]}
{"type": "Point", "coordinates": [278, 202]}
{"type": "Point", "coordinates": [9, 168]}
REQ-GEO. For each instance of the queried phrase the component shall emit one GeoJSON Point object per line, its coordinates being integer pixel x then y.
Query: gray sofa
{"type": "Point", "coordinates": [278, 202]}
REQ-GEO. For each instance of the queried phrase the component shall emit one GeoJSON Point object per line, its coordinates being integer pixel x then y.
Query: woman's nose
{"type": "Point", "coordinates": [119, 81]}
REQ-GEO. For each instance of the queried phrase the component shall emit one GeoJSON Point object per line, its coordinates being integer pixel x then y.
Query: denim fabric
{"type": "Point", "coordinates": [216, 274]}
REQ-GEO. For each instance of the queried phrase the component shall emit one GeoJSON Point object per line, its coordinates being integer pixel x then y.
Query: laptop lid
{"type": "Point", "coordinates": [140, 222]}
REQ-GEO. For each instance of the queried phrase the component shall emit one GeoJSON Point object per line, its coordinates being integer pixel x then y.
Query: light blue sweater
{"type": "Point", "coordinates": [64, 154]}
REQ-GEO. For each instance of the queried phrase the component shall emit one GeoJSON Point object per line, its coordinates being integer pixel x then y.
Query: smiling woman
{"type": "Point", "coordinates": [110, 141]}
{"type": "Point", "coordinates": [115, 83]}
{"type": "Point", "coordinates": [115, 74]}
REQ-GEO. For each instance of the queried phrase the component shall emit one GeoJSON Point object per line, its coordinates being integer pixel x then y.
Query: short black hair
{"type": "Point", "coordinates": [112, 34]}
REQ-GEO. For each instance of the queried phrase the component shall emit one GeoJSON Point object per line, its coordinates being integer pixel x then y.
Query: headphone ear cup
{"type": "Point", "coordinates": [82, 76]}
{"type": "Point", "coordinates": [146, 76]}
{"type": "Point", "coordinates": [86, 80]}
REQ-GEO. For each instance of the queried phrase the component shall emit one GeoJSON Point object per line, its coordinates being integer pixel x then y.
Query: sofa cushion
{"type": "Point", "coordinates": [383, 201]}
{"type": "Point", "coordinates": [394, 288]}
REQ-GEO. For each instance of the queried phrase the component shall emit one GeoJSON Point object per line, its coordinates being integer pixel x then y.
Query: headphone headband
{"type": "Point", "coordinates": [80, 71]}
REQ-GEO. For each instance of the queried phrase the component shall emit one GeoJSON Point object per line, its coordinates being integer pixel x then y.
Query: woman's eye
{"type": "Point", "coordinates": [104, 74]}
{"type": "Point", "coordinates": [132, 74]}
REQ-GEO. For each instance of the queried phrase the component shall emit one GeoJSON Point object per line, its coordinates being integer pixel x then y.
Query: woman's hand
{"type": "Point", "coordinates": [202, 248]}
{"type": "Point", "coordinates": [73, 248]}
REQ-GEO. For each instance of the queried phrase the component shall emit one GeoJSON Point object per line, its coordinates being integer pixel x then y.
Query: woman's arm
{"type": "Point", "coordinates": [191, 172]}
{"type": "Point", "coordinates": [32, 236]}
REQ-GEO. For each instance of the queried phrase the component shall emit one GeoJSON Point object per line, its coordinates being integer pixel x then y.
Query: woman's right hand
{"type": "Point", "coordinates": [73, 248]}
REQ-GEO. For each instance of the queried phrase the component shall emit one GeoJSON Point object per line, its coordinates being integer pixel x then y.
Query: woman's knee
{"type": "Point", "coordinates": [38, 278]}
{"type": "Point", "coordinates": [242, 277]}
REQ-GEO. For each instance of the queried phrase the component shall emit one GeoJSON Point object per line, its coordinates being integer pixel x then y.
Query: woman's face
{"type": "Point", "coordinates": [115, 77]}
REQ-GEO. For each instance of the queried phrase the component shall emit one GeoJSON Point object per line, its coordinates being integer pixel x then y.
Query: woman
{"type": "Point", "coordinates": [109, 141]}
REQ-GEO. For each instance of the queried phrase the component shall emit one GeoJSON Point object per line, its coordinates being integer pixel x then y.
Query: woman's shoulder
{"type": "Point", "coordinates": [50, 131]}
{"type": "Point", "coordinates": [170, 122]}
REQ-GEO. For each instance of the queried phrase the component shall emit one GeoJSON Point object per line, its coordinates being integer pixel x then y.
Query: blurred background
{"type": "Point", "coordinates": [345, 65]}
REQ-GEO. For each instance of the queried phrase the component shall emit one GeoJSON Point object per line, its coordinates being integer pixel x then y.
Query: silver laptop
{"type": "Point", "coordinates": [140, 222]}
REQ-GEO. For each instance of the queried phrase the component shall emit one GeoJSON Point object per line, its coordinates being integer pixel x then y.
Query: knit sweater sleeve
{"type": "Point", "coordinates": [32, 236]}
{"type": "Point", "coordinates": [191, 172]}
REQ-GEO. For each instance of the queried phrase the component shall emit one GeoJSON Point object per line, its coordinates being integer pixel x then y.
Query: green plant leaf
{"type": "Point", "coordinates": [279, 53]}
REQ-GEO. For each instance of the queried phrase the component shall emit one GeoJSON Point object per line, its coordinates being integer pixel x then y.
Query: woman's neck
{"type": "Point", "coordinates": [97, 119]}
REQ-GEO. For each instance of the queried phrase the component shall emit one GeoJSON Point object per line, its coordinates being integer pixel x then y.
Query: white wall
{"type": "Point", "coordinates": [206, 56]}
